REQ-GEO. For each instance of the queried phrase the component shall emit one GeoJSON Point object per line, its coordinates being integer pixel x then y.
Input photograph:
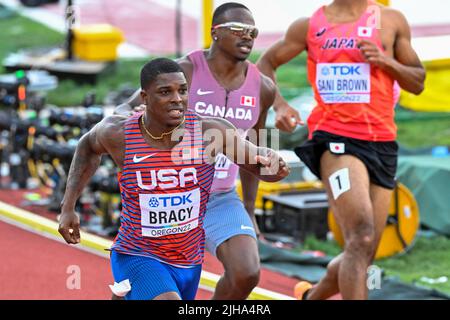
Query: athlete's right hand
{"type": "Point", "coordinates": [69, 227]}
{"type": "Point", "coordinates": [287, 118]}
{"type": "Point", "coordinates": [275, 167]}
{"type": "Point", "coordinates": [138, 108]}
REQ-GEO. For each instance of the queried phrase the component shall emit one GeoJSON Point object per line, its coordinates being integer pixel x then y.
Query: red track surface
{"type": "Point", "coordinates": [35, 267]}
{"type": "Point", "coordinates": [269, 280]}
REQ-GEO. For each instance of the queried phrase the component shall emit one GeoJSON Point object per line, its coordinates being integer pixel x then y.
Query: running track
{"type": "Point", "coordinates": [35, 267]}
{"type": "Point", "coordinates": [38, 268]}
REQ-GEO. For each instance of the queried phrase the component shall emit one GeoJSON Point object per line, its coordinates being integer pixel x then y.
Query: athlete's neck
{"type": "Point", "coordinates": [352, 5]}
{"type": "Point", "coordinates": [344, 11]}
{"type": "Point", "coordinates": [153, 128]}
{"type": "Point", "coordinates": [224, 66]}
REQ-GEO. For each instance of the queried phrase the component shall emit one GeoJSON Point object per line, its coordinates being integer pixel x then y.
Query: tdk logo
{"type": "Point", "coordinates": [153, 203]}
{"type": "Point", "coordinates": [176, 200]}
{"type": "Point", "coordinates": [342, 70]}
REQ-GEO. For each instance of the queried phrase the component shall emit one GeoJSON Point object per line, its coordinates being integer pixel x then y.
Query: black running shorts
{"type": "Point", "coordinates": [380, 158]}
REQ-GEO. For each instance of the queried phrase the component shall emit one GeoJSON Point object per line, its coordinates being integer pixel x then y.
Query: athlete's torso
{"type": "Point", "coordinates": [241, 107]}
{"type": "Point", "coordinates": [164, 195]}
{"type": "Point", "coordinates": [355, 99]}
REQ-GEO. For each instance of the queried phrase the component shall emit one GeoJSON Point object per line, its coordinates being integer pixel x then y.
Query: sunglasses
{"type": "Point", "coordinates": [239, 29]}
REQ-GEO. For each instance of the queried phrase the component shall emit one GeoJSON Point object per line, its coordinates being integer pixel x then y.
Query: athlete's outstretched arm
{"type": "Point", "coordinates": [224, 138]}
{"type": "Point", "coordinates": [283, 51]}
{"type": "Point", "coordinates": [248, 181]}
{"type": "Point", "coordinates": [405, 66]}
{"type": "Point", "coordinates": [85, 162]}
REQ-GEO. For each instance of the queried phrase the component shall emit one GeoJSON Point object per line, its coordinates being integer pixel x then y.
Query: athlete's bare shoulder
{"type": "Point", "coordinates": [111, 131]}
{"type": "Point", "coordinates": [268, 91]}
{"type": "Point", "coordinates": [298, 29]}
{"type": "Point", "coordinates": [187, 66]}
{"type": "Point", "coordinates": [113, 123]}
{"type": "Point", "coordinates": [393, 18]}
{"type": "Point", "coordinates": [184, 62]}
{"type": "Point", "coordinates": [301, 23]}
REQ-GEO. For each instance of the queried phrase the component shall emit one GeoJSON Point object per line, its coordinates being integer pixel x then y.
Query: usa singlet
{"type": "Point", "coordinates": [164, 196]}
{"type": "Point", "coordinates": [241, 107]}
{"type": "Point", "coordinates": [354, 98]}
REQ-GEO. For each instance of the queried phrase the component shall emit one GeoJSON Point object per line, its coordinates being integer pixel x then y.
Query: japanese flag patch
{"type": "Point", "coordinates": [365, 32]}
{"type": "Point", "coordinates": [337, 148]}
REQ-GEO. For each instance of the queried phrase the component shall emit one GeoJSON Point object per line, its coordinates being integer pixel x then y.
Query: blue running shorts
{"type": "Point", "coordinates": [225, 218]}
{"type": "Point", "coordinates": [150, 278]}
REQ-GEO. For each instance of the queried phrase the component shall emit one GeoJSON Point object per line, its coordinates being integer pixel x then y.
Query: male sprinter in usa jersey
{"type": "Point", "coordinates": [224, 84]}
{"type": "Point", "coordinates": [165, 177]}
{"type": "Point", "coordinates": [356, 50]}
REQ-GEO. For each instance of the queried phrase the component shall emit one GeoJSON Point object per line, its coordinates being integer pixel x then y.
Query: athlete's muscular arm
{"type": "Point", "coordinates": [283, 51]}
{"type": "Point", "coordinates": [105, 137]}
{"type": "Point", "coordinates": [264, 163]}
{"type": "Point", "coordinates": [405, 66]}
{"type": "Point", "coordinates": [250, 182]}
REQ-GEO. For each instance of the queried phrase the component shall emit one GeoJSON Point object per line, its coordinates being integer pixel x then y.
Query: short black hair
{"type": "Point", "coordinates": [222, 9]}
{"type": "Point", "coordinates": [156, 67]}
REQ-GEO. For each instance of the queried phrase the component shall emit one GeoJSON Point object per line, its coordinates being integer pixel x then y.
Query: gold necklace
{"type": "Point", "coordinates": [162, 135]}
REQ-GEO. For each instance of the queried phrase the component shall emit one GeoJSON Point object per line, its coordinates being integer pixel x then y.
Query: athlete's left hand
{"type": "Point", "coordinates": [372, 53]}
{"type": "Point", "coordinates": [287, 118]}
{"type": "Point", "coordinates": [127, 111]}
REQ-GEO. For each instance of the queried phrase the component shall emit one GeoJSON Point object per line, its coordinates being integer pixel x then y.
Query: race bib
{"type": "Point", "coordinates": [343, 82]}
{"type": "Point", "coordinates": [169, 213]}
{"type": "Point", "coordinates": [222, 167]}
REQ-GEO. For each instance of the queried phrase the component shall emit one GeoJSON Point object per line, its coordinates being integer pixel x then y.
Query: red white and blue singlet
{"type": "Point", "coordinates": [164, 196]}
